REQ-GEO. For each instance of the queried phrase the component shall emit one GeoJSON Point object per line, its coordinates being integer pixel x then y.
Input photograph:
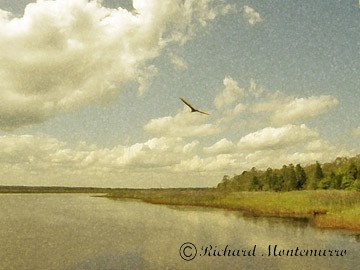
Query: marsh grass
{"type": "Point", "coordinates": [324, 208]}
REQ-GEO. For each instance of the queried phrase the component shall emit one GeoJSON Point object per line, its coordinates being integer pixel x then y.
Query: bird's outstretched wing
{"type": "Point", "coordinates": [202, 112]}
{"type": "Point", "coordinates": [188, 104]}
{"type": "Point", "coordinates": [192, 107]}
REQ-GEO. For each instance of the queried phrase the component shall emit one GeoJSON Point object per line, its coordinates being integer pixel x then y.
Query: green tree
{"type": "Point", "coordinates": [349, 178]}
{"type": "Point", "coordinates": [346, 182]}
{"type": "Point", "coordinates": [335, 180]}
{"type": "Point", "coordinates": [300, 177]}
{"type": "Point", "coordinates": [352, 171]}
{"type": "Point", "coordinates": [325, 183]}
{"type": "Point", "coordinates": [277, 182]}
{"type": "Point", "coordinates": [356, 185]}
{"type": "Point", "coordinates": [225, 183]}
{"type": "Point", "coordinates": [289, 174]}
{"type": "Point", "coordinates": [318, 175]}
{"type": "Point", "coordinates": [255, 184]}
{"type": "Point", "coordinates": [268, 178]}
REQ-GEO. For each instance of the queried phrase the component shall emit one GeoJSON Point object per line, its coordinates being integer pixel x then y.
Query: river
{"type": "Point", "coordinates": [77, 231]}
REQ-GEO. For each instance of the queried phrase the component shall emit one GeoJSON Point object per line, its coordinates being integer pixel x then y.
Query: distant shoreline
{"type": "Point", "coordinates": [65, 189]}
{"type": "Point", "coordinates": [52, 189]}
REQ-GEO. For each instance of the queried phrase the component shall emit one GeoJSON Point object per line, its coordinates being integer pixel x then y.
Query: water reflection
{"type": "Point", "coordinates": [69, 231]}
{"type": "Point", "coordinates": [114, 261]}
{"type": "Point", "coordinates": [357, 237]}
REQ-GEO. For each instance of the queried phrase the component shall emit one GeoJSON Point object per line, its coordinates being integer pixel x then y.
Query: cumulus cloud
{"type": "Point", "coordinates": [183, 124]}
{"type": "Point", "coordinates": [145, 78]}
{"type": "Point", "coordinates": [280, 109]}
{"type": "Point", "coordinates": [191, 147]}
{"type": "Point", "coordinates": [223, 146]}
{"type": "Point", "coordinates": [356, 132]}
{"type": "Point", "coordinates": [230, 94]}
{"type": "Point", "coordinates": [304, 108]}
{"type": "Point", "coordinates": [252, 16]}
{"type": "Point", "coordinates": [178, 61]}
{"type": "Point", "coordinates": [319, 145]}
{"type": "Point", "coordinates": [151, 153]}
{"type": "Point", "coordinates": [274, 138]}
{"type": "Point", "coordinates": [42, 154]}
{"type": "Point", "coordinates": [65, 54]}
{"type": "Point", "coordinates": [253, 107]}
{"type": "Point", "coordinates": [265, 158]}
{"type": "Point", "coordinates": [255, 89]}
{"type": "Point", "coordinates": [43, 159]}
{"type": "Point", "coordinates": [219, 163]}
{"type": "Point", "coordinates": [27, 149]}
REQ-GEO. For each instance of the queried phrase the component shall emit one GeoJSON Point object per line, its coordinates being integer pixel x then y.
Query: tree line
{"type": "Point", "coordinates": [342, 173]}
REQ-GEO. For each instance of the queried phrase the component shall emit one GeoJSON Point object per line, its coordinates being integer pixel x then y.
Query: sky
{"type": "Point", "coordinates": [89, 90]}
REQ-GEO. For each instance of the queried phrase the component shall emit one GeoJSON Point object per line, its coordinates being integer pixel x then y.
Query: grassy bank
{"type": "Point", "coordinates": [324, 208]}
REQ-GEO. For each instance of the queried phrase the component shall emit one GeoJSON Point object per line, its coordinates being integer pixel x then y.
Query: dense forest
{"type": "Point", "coordinates": [342, 173]}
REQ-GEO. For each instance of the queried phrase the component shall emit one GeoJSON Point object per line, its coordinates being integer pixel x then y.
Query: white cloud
{"type": "Point", "coordinates": [151, 153]}
{"type": "Point", "coordinates": [193, 164]}
{"type": "Point", "coordinates": [4, 15]}
{"type": "Point", "coordinates": [265, 158]}
{"type": "Point", "coordinates": [356, 131]}
{"type": "Point", "coordinates": [275, 138]}
{"type": "Point", "coordinates": [184, 124]}
{"type": "Point", "coordinates": [252, 16]}
{"type": "Point", "coordinates": [301, 109]}
{"type": "Point", "coordinates": [145, 78]}
{"type": "Point", "coordinates": [281, 110]}
{"type": "Point", "coordinates": [223, 146]}
{"type": "Point", "coordinates": [255, 89]}
{"type": "Point", "coordinates": [26, 148]}
{"type": "Point", "coordinates": [34, 160]}
{"type": "Point", "coordinates": [65, 54]}
{"type": "Point", "coordinates": [230, 94]}
{"type": "Point", "coordinates": [178, 61]}
{"type": "Point", "coordinates": [319, 146]}
{"type": "Point", "coordinates": [219, 163]}
{"type": "Point", "coordinates": [271, 103]}
{"type": "Point", "coordinates": [239, 108]}
{"type": "Point", "coordinates": [47, 157]}
{"type": "Point", "coordinates": [254, 108]}
{"type": "Point", "coordinates": [190, 147]}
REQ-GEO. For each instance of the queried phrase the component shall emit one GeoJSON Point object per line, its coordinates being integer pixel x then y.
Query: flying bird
{"type": "Point", "coordinates": [192, 108]}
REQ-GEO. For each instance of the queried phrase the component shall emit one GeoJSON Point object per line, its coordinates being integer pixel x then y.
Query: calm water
{"type": "Point", "coordinates": [67, 231]}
